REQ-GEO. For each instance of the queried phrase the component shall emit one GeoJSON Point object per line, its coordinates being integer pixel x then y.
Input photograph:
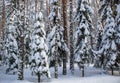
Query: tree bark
{"type": "Point", "coordinates": [42, 5]}
{"type": "Point", "coordinates": [2, 28]}
{"type": "Point", "coordinates": [65, 26]}
{"type": "Point", "coordinates": [21, 61]}
{"type": "Point", "coordinates": [71, 37]}
{"type": "Point", "coordinates": [36, 7]}
{"type": "Point", "coordinates": [39, 78]}
{"type": "Point", "coordinates": [21, 41]}
{"type": "Point", "coordinates": [47, 20]}
{"type": "Point", "coordinates": [56, 55]}
{"type": "Point", "coordinates": [112, 70]}
{"type": "Point", "coordinates": [3, 20]}
{"type": "Point", "coordinates": [56, 44]}
{"type": "Point", "coordinates": [47, 7]}
{"type": "Point", "coordinates": [83, 74]}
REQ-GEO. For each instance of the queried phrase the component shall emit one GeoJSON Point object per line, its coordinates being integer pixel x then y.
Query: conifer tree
{"type": "Point", "coordinates": [56, 43]}
{"type": "Point", "coordinates": [82, 33]}
{"type": "Point", "coordinates": [108, 50]}
{"type": "Point", "coordinates": [54, 18]}
{"type": "Point", "coordinates": [20, 38]}
{"type": "Point", "coordinates": [39, 57]}
{"type": "Point", "coordinates": [118, 31]}
{"type": "Point", "coordinates": [62, 47]}
{"type": "Point", "coordinates": [97, 62]}
{"type": "Point", "coordinates": [11, 45]}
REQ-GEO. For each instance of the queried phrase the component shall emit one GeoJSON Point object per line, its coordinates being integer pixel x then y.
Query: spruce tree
{"type": "Point", "coordinates": [108, 50]}
{"type": "Point", "coordinates": [97, 62]}
{"type": "Point", "coordinates": [39, 57]}
{"type": "Point", "coordinates": [20, 38]}
{"type": "Point", "coordinates": [56, 43]}
{"type": "Point", "coordinates": [82, 33]}
{"type": "Point", "coordinates": [62, 47]}
{"type": "Point", "coordinates": [54, 18]}
{"type": "Point", "coordinates": [11, 45]}
{"type": "Point", "coordinates": [118, 31]}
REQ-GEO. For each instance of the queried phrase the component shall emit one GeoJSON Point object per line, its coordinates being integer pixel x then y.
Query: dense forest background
{"type": "Point", "coordinates": [40, 34]}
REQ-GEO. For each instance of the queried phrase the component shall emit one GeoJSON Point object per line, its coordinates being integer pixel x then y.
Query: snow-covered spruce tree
{"type": "Point", "coordinates": [20, 38]}
{"type": "Point", "coordinates": [62, 47]}
{"type": "Point", "coordinates": [103, 10]}
{"type": "Point", "coordinates": [11, 45]}
{"type": "Point", "coordinates": [108, 41]}
{"type": "Point", "coordinates": [118, 31]}
{"type": "Point", "coordinates": [108, 49]}
{"type": "Point", "coordinates": [102, 17]}
{"type": "Point", "coordinates": [98, 43]}
{"type": "Point", "coordinates": [39, 49]}
{"type": "Point", "coordinates": [56, 44]}
{"type": "Point", "coordinates": [82, 33]}
{"type": "Point", "coordinates": [54, 18]}
{"type": "Point", "coordinates": [27, 33]}
{"type": "Point", "coordinates": [22, 32]}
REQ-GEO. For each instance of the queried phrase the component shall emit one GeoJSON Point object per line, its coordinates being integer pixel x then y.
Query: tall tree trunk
{"type": "Point", "coordinates": [47, 20]}
{"type": "Point", "coordinates": [71, 37]}
{"type": "Point", "coordinates": [56, 41]}
{"type": "Point", "coordinates": [3, 20]}
{"type": "Point", "coordinates": [65, 26]}
{"type": "Point", "coordinates": [42, 5]}
{"type": "Point", "coordinates": [36, 7]}
{"type": "Point", "coordinates": [91, 44]}
{"type": "Point", "coordinates": [56, 55]}
{"type": "Point", "coordinates": [2, 32]}
{"type": "Point", "coordinates": [27, 7]}
{"type": "Point", "coordinates": [21, 41]}
{"type": "Point", "coordinates": [47, 7]}
{"type": "Point", "coordinates": [21, 61]}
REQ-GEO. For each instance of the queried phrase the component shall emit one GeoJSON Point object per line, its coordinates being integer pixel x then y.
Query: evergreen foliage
{"type": "Point", "coordinates": [82, 33]}
{"type": "Point", "coordinates": [51, 39]}
{"type": "Point", "coordinates": [39, 49]}
{"type": "Point", "coordinates": [11, 45]}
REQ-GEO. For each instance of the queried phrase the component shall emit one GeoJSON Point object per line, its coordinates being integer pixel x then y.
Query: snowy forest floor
{"type": "Point", "coordinates": [92, 75]}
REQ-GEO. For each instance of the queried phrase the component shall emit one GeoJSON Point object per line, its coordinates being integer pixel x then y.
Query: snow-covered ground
{"type": "Point", "coordinates": [92, 75]}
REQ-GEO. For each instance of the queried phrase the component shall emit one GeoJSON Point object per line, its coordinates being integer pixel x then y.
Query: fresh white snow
{"type": "Point", "coordinates": [92, 75]}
